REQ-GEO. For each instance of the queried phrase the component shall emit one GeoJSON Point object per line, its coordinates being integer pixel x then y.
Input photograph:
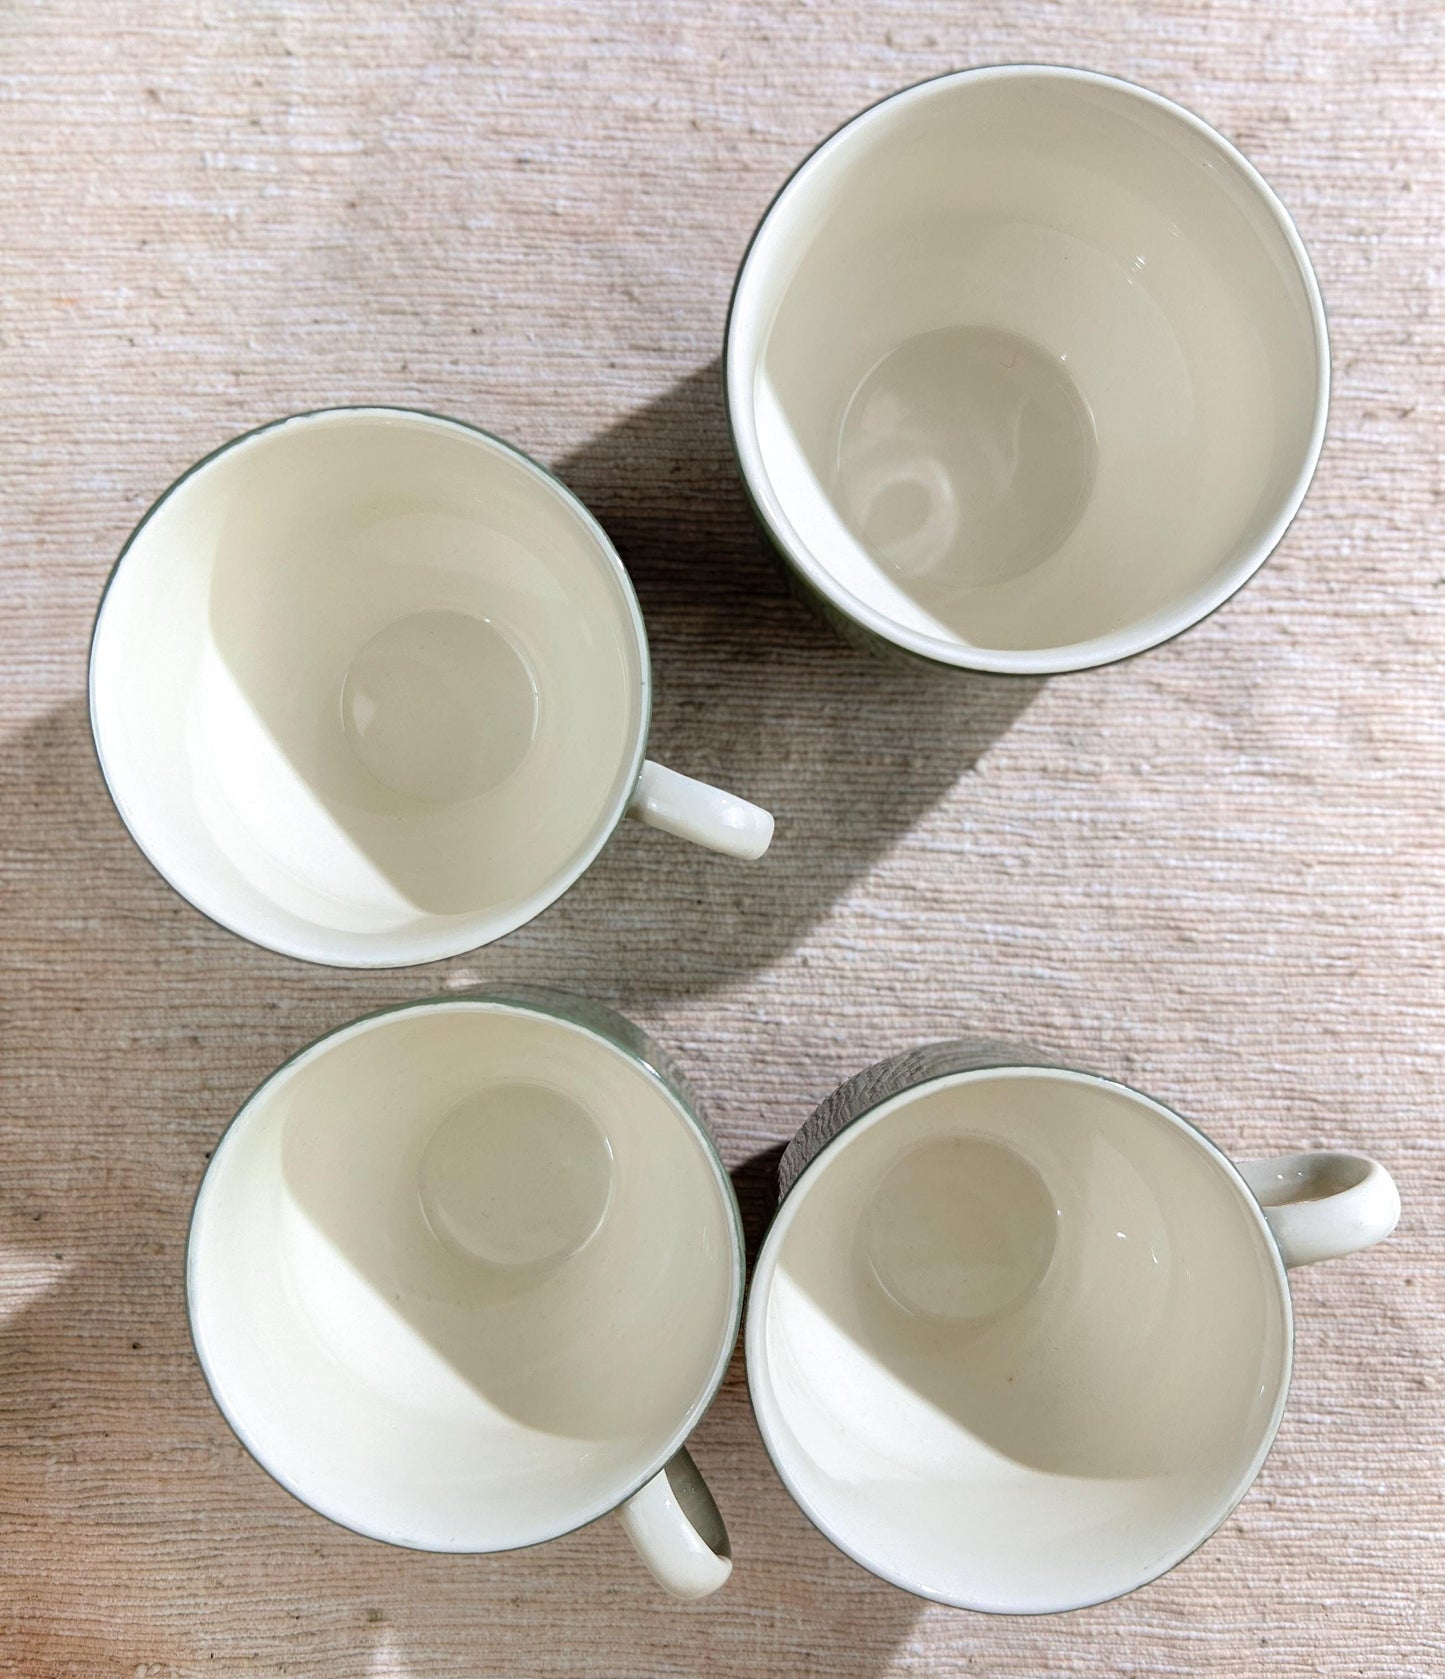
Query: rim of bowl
{"type": "Point", "coordinates": [472, 934]}
{"type": "Point", "coordinates": [1110, 649]}
{"type": "Point", "coordinates": [756, 1361]}
{"type": "Point", "coordinates": [497, 1003]}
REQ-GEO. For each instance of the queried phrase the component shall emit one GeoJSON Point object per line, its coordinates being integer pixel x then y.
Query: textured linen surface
{"type": "Point", "coordinates": [1214, 871]}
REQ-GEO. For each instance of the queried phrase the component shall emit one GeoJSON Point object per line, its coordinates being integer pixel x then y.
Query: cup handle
{"type": "Point", "coordinates": [1320, 1206]}
{"type": "Point", "coordinates": [677, 1530]}
{"type": "Point", "coordinates": [694, 811]}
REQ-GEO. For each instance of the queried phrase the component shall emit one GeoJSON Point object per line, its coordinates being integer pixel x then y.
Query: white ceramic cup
{"type": "Point", "coordinates": [1019, 1338]}
{"type": "Point", "coordinates": [370, 687]}
{"type": "Point", "coordinates": [464, 1275]}
{"type": "Point", "coordinates": [1027, 370]}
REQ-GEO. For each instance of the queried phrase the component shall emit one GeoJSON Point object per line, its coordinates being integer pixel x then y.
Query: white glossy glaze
{"type": "Point", "coordinates": [369, 687]}
{"type": "Point", "coordinates": [1322, 1206]}
{"type": "Point", "coordinates": [677, 804]}
{"type": "Point", "coordinates": [677, 1531]}
{"type": "Point", "coordinates": [1019, 1340]}
{"type": "Point", "coordinates": [1027, 369]}
{"type": "Point", "coordinates": [445, 1341]}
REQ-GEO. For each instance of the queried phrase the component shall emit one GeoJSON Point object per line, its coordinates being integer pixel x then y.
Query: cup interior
{"type": "Point", "coordinates": [1027, 369]}
{"type": "Point", "coordinates": [1019, 1340]}
{"type": "Point", "coordinates": [369, 687]}
{"type": "Point", "coordinates": [463, 1276]}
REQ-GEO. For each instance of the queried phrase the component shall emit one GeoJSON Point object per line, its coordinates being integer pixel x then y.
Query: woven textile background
{"type": "Point", "coordinates": [1215, 871]}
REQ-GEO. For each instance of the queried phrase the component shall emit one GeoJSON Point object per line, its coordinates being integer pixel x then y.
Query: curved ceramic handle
{"type": "Point", "coordinates": [677, 1530]}
{"type": "Point", "coordinates": [694, 811]}
{"type": "Point", "coordinates": [1320, 1206]}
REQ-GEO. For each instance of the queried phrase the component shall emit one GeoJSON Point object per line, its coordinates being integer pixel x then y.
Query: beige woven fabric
{"type": "Point", "coordinates": [1215, 870]}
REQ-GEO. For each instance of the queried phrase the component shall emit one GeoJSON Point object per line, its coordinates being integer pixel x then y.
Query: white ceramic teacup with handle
{"type": "Point", "coordinates": [1019, 1338]}
{"type": "Point", "coordinates": [370, 687]}
{"type": "Point", "coordinates": [1026, 369]}
{"type": "Point", "coordinates": [464, 1275]}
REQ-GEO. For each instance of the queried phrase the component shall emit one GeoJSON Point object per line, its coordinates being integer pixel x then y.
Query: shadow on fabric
{"type": "Point", "coordinates": [753, 691]}
{"type": "Point", "coordinates": [132, 1029]}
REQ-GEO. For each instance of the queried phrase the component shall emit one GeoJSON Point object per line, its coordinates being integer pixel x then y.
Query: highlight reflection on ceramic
{"type": "Point", "coordinates": [460, 1273]}
{"type": "Point", "coordinates": [1013, 1315]}
{"type": "Point", "coordinates": [370, 687]}
{"type": "Point", "coordinates": [965, 457]}
{"type": "Point", "coordinates": [1027, 370]}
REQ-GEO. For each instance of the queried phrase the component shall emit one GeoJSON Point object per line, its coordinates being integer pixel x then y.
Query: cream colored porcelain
{"type": "Point", "coordinates": [1020, 1338]}
{"type": "Point", "coordinates": [1027, 370]}
{"type": "Point", "coordinates": [464, 1276]}
{"type": "Point", "coordinates": [370, 687]}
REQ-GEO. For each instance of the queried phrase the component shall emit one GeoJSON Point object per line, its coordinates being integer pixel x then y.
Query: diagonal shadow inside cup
{"type": "Point", "coordinates": [499, 1232]}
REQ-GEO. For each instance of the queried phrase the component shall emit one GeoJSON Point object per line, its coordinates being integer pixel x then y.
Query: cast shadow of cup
{"type": "Point", "coordinates": [753, 691]}
{"type": "Point", "coordinates": [93, 1332]}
